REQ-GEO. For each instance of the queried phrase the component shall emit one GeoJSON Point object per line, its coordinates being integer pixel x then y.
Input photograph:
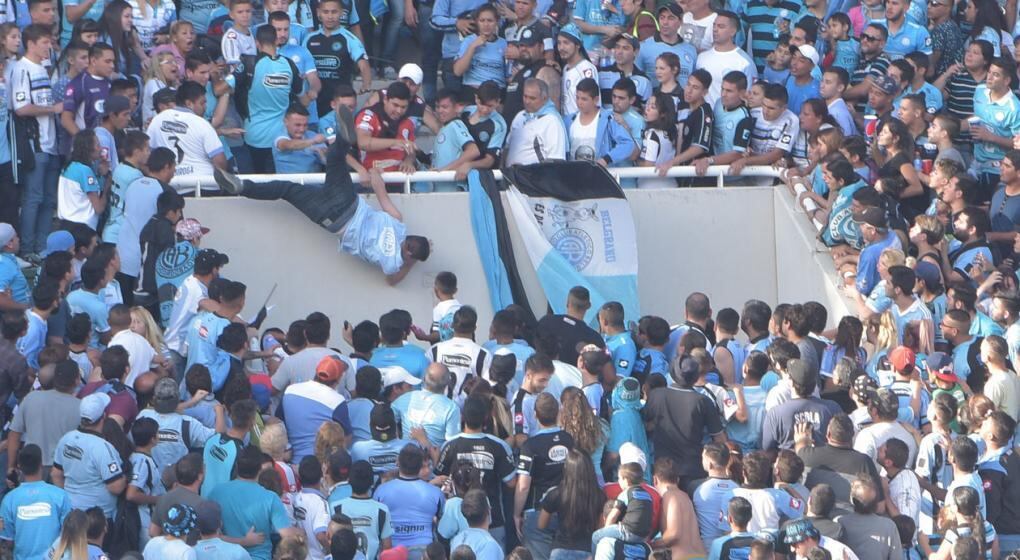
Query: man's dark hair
{"type": "Point", "coordinates": [233, 338]}
{"type": "Point", "coordinates": [489, 91]}
{"type": "Point", "coordinates": [45, 294]}
{"type": "Point", "coordinates": [365, 337]}
{"type": "Point", "coordinates": [391, 327]}
{"type": "Point", "coordinates": [97, 49]}
{"type": "Point", "coordinates": [965, 294]}
{"type": "Point", "coordinates": [418, 246]}
{"type": "Point", "coordinates": [114, 363]}
{"type": "Point", "coordinates": [579, 297]}
{"type": "Point", "coordinates": [265, 35]}
{"type": "Point", "coordinates": [757, 470]}
{"type": "Point", "coordinates": [626, 85]}
{"type": "Point", "coordinates": [92, 273]}
{"type": "Point", "coordinates": [903, 277]}
{"type": "Point", "coordinates": [56, 266]}
{"type": "Point", "coordinates": [160, 158]}
{"type": "Point", "coordinates": [735, 20]}
{"type": "Point", "coordinates": [789, 466]}
{"type": "Point", "coordinates": [740, 511]}
{"type": "Point", "coordinates": [897, 452]}
{"type": "Point", "coordinates": [777, 92]}
{"type": "Point", "coordinates": [343, 545]}
{"type": "Point", "coordinates": [810, 27]}
{"type": "Point", "coordinates": [122, 86]}
{"type": "Point", "coordinates": [368, 382]}
{"type": "Point", "coordinates": [279, 16]}
{"type": "Point", "coordinates": [232, 291]}
{"type": "Point", "coordinates": [34, 32]}
{"type": "Point", "coordinates": [717, 453]}
{"type": "Point", "coordinates": [361, 477]}
{"type": "Point", "coordinates": [841, 429]}
{"type": "Point", "coordinates": [978, 219]}
{"type": "Point", "coordinates": [818, 315]}
{"type": "Point", "coordinates": [702, 76]}
{"type": "Point", "coordinates": [842, 76]}
{"type": "Point", "coordinates": [189, 91]}
{"type": "Point", "coordinates": [249, 462]}
{"type": "Point", "coordinates": [188, 469]}
{"type": "Point", "coordinates": [317, 328]}
{"type": "Point", "coordinates": [697, 307]}
{"type": "Point", "coordinates": [465, 320]}
{"type": "Point", "coordinates": [143, 431]}
{"type": "Point", "coordinates": [296, 109]}
{"type": "Point", "coordinates": [728, 320]}
{"type": "Point", "coordinates": [476, 411]}
{"type": "Point", "coordinates": [133, 141]}
{"type": "Point", "coordinates": [97, 524]}
{"type": "Point", "coordinates": [242, 413]}
{"type": "Point", "coordinates": [398, 90]}
{"type": "Point", "coordinates": [66, 375]}
{"type": "Point", "coordinates": [410, 459]}
{"type": "Point", "coordinates": [446, 283]}
{"type": "Point", "coordinates": [540, 363]}
{"type": "Point", "coordinates": [475, 507]}
{"type": "Point", "coordinates": [169, 201]}
{"type": "Point", "coordinates": [756, 365]}
{"type": "Point", "coordinates": [781, 351]}
{"type": "Point", "coordinates": [736, 78]}
{"type": "Point", "coordinates": [798, 319]}
{"type": "Point", "coordinates": [30, 459]}
{"type": "Point", "coordinates": [756, 313]}
{"type": "Point", "coordinates": [195, 59]}
{"type": "Point", "coordinates": [655, 329]}
{"type": "Point", "coordinates": [821, 501]}
{"type": "Point", "coordinates": [965, 453]}
{"type": "Point", "coordinates": [589, 86]}
{"type": "Point", "coordinates": [310, 471]}
{"type": "Point", "coordinates": [612, 312]}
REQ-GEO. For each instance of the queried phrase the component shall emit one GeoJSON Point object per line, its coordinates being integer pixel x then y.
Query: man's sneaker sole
{"type": "Point", "coordinates": [228, 182]}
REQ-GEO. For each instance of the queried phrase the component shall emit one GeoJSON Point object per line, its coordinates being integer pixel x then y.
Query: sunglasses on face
{"type": "Point", "coordinates": [866, 37]}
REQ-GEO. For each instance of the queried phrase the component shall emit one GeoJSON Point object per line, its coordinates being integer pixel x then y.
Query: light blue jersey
{"type": "Point", "coordinates": [268, 98]}
{"type": "Point", "coordinates": [710, 498]}
{"type": "Point", "coordinates": [410, 357]}
{"type": "Point", "coordinates": [487, 63]}
{"type": "Point", "coordinates": [414, 503]}
{"type": "Point", "coordinates": [34, 340]}
{"type": "Point", "coordinates": [910, 37]}
{"type": "Point", "coordinates": [593, 13]}
{"type": "Point", "coordinates": [370, 520]}
{"type": "Point", "coordinates": [437, 414]}
{"type": "Point", "coordinates": [748, 434]}
{"type": "Point", "coordinates": [932, 98]}
{"type": "Point", "coordinates": [1002, 118]}
{"type": "Point", "coordinates": [450, 144]}
{"type": "Point", "coordinates": [88, 463]}
{"type": "Point", "coordinates": [219, 549]}
{"type": "Point", "coordinates": [245, 504]}
{"type": "Point", "coordinates": [305, 160]}
{"type": "Point", "coordinates": [32, 516]}
{"type": "Point", "coordinates": [203, 333]}
{"type": "Point", "coordinates": [382, 455]}
{"type": "Point", "coordinates": [12, 280]}
{"type": "Point", "coordinates": [624, 352]}
{"type": "Point", "coordinates": [218, 458]}
{"type": "Point", "coordinates": [376, 237]}
{"type": "Point", "coordinates": [653, 46]}
{"type": "Point", "coordinates": [848, 55]}
{"type": "Point", "coordinates": [359, 411]}
{"type": "Point", "coordinates": [480, 542]}
{"type": "Point", "coordinates": [732, 130]}
{"type": "Point", "coordinates": [91, 304]}
{"type": "Point", "coordinates": [299, 55]}
{"type": "Point", "coordinates": [651, 361]}
{"type": "Point", "coordinates": [123, 176]}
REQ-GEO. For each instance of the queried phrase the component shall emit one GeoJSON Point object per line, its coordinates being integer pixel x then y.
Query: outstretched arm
{"type": "Point", "coordinates": [379, 188]}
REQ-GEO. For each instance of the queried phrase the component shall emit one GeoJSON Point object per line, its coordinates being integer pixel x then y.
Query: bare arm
{"type": "Point", "coordinates": [366, 73]}
{"type": "Point", "coordinates": [314, 87]}
{"type": "Point", "coordinates": [75, 13]}
{"type": "Point", "coordinates": [379, 188]}
{"type": "Point", "coordinates": [117, 486]}
{"type": "Point", "coordinates": [38, 110]}
{"type": "Point", "coordinates": [220, 112]}
{"type": "Point", "coordinates": [291, 145]}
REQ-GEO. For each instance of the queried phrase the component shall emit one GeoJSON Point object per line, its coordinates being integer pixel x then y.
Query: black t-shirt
{"type": "Point", "coordinates": [636, 505]}
{"type": "Point", "coordinates": [837, 467]}
{"type": "Point", "coordinates": [541, 458]}
{"type": "Point", "coordinates": [910, 206]}
{"type": "Point", "coordinates": [627, 551]}
{"type": "Point", "coordinates": [680, 419]}
{"type": "Point", "coordinates": [568, 332]}
{"type": "Point", "coordinates": [157, 236]}
{"type": "Point", "coordinates": [492, 457]}
{"type": "Point", "coordinates": [561, 539]}
{"type": "Point", "coordinates": [697, 127]}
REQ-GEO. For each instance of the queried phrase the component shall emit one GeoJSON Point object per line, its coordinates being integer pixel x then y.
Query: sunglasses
{"type": "Point", "coordinates": [866, 37]}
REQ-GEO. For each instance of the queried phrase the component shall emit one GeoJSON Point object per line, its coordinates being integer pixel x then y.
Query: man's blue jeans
{"type": "Point", "coordinates": [612, 532]}
{"type": "Point", "coordinates": [431, 41]}
{"type": "Point", "coordinates": [38, 202]}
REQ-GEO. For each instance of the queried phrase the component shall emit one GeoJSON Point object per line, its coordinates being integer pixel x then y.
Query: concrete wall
{"type": "Point", "coordinates": [725, 242]}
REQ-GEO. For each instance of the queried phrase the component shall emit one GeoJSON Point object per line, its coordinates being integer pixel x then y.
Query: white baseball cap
{"type": "Point", "coordinates": [630, 453]}
{"type": "Point", "coordinates": [809, 52]}
{"type": "Point", "coordinates": [412, 72]}
{"type": "Point", "coordinates": [392, 375]}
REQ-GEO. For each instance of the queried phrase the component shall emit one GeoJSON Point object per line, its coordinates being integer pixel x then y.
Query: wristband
{"type": "Point", "coordinates": [810, 205]}
{"type": "Point", "coordinates": [799, 189]}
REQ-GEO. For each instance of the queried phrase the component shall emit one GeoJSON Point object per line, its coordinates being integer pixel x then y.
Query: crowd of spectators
{"type": "Point", "coordinates": [145, 416]}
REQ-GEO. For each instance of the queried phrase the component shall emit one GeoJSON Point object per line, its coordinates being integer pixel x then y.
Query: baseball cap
{"type": "Point", "coordinates": [885, 84]}
{"type": "Point", "coordinates": [799, 531]}
{"type": "Point", "coordinates": [800, 373]}
{"type": "Point", "coordinates": [383, 423]}
{"type": "Point", "coordinates": [6, 233]}
{"type": "Point", "coordinates": [534, 34]}
{"type": "Point", "coordinates": [630, 453]}
{"type": "Point", "coordinates": [59, 241]}
{"type": "Point", "coordinates": [165, 96]}
{"type": "Point", "coordinates": [941, 366]}
{"type": "Point", "coordinates": [115, 104]}
{"type": "Point", "coordinates": [886, 401]}
{"type": "Point", "coordinates": [208, 259]}
{"type": "Point", "coordinates": [929, 273]}
{"type": "Point", "coordinates": [611, 42]}
{"type": "Point", "coordinates": [864, 388]}
{"type": "Point", "coordinates": [330, 369]}
{"type": "Point", "coordinates": [872, 216]}
{"type": "Point", "coordinates": [166, 395]}
{"type": "Point", "coordinates": [412, 72]}
{"type": "Point", "coordinates": [180, 520]}
{"type": "Point", "coordinates": [673, 7]}
{"type": "Point", "coordinates": [210, 517]}
{"type": "Point", "coordinates": [191, 229]}
{"type": "Point", "coordinates": [902, 359]}
{"type": "Point", "coordinates": [392, 375]}
{"type": "Point", "coordinates": [809, 52]}
{"type": "Point", "coordinates": [94, 406]}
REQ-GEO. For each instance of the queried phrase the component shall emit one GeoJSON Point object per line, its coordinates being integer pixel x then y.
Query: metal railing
{"type": "Point", "coordinates": [719, 172]}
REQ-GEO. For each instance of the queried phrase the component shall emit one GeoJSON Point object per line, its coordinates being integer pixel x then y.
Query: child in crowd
{"type": "Point", "coordinates": [844, 49]}
{"type": "Point", "coordinates": [198, 382]}
{"type": "Point", "coordinates": [777, 63]}
{"type": "Point", "coordinates": [445, 290]}
{"type": "Point", "coordinates": [630, 519]}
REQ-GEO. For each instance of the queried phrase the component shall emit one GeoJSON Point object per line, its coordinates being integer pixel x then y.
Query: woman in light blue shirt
{"type": "Point", "coordinates": [482, 56]}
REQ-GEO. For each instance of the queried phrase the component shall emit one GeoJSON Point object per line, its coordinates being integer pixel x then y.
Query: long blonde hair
{"type": "Point", "coordinates": [153, 334]}
{"type": "Point", "coordinates": [578, 420]}
{"type": "Point", "coordinates": [155, 69]}
{"type": "Point", "coordinates": [888, 333]}
{"type": "Point", "coordinates": [73, 537]}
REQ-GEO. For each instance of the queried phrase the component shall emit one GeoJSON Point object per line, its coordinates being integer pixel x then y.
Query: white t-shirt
{"type": "Point", "coordinates": [547, 131]}
{"type": "Point", "coordinates": [582, 139]}
{"type": "Point", "coordinates": [656, 147]}
{"type": "Point", "coordinates": [698, 32]}
{"type": "Point", "coordinates": [234, 44]}
{"type": "Point", "coordinates": [161, 548]}
{"type": "Point", "coordinates": [564, 375]}
{"type": "Point", "coordinates": [871, 437]}
{"type": "Point", "coordinates": [140, 353]}
{"type": "Point", "coordinates": [30, 85]}
{"type": "Point", "coordinates": [311, 514]}
{"type": "Point", "coordinates": [719, 63]}
{"type": "Point", "coordinates": [185, 309]}
{"type": "Point", "coordinates": [190, 136]}
{"type": "Point", "coordinates": [148, 106]}
{"type": "Point", "coordinates": [572, 75]}
{"type": "Point", "coordinates": [464, 358]}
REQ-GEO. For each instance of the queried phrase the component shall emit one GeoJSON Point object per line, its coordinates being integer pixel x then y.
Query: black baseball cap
{"type": "Point", "coordinates": [534, 34]}
{"type": "Point", "coordinates": [209, 259]}
{"type": "Point", "coordinates": [383, 423]}
{"type": "Point", "coordinates": [673, 7]}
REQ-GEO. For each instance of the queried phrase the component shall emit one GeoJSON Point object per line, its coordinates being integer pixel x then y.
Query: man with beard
{"type": "Point", "coordinates": [531, 58]}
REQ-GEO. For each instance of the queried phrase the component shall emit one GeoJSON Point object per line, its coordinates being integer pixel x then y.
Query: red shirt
{"type": "Point", "coordinates": [374, 121]}
{"type": "Point", "coordinates": [613, 490]}
{"type": "Point", "coordinates": [123, 402]}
